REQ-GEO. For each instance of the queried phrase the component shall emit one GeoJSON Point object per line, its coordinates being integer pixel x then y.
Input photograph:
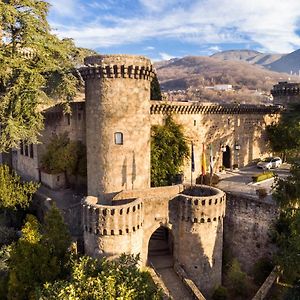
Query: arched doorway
{"type": "Point", "coordinates": [227, 158]}
{"type": "Point", "coordinates": [160, 244]}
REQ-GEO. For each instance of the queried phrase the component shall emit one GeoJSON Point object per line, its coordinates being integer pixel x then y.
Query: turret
{"type": "Point", "coordinates": [117, 91]}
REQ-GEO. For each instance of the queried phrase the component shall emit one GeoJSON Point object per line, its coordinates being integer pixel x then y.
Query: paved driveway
{"type": "Point", "coordinates": [241, 181]}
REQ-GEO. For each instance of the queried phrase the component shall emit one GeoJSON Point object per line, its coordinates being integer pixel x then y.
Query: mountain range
{"type": "Point", "coordinates": [286, 63]}
{"type": "Point", "coordinates": [248, 69]}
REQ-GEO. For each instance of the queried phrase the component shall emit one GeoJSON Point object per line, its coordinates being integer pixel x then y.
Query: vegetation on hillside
{"type": "Point", "coordinates": [169, 149]}
{"type": "Point", "coordinates": [195, 72]}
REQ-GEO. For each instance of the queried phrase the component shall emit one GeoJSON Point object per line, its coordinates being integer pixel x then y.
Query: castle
{"type": "Point", "coordinates": [122, 213]}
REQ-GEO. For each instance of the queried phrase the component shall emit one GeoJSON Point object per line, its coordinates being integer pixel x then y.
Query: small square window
{"type": "Point", "coordinates": [118, 138]}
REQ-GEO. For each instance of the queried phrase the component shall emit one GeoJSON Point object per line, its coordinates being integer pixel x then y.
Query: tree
{"type": "Point", "coordinates": [13, 192]}
{"type": "Point", "coordinates": [287, 231]}
{"type": "Point", "coordinates": [169, 149]}
{"type": "Point", "coordinates": [36, 68]}
{"type": "Point", "coordinates": [39, 256]}
{"type": "Point", "coordinates": [284, 136]}
{"type": "Point", "coordinates": [155, 89]}
{"type": "Point", "coordinates": [92, 279]}
{"type": "Point", "coordinates": [63, 155]}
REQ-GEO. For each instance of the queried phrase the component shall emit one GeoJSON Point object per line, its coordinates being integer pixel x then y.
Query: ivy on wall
{"type": "Point", "coordinates": [169, 149]}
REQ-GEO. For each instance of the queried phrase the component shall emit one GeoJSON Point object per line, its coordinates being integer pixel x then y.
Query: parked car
{"type": "Point", "coordinates": [269, 163]}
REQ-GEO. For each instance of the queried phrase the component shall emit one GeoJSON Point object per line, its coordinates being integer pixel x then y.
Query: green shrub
{"type": "Point", "coordinates": [221, 293]}
{"type": "Point", "coordinates": [262, 269]}
{"type": "Point", "coordinates": [262, 176]}
{"type": "Point", "coordinates": [237, 279]}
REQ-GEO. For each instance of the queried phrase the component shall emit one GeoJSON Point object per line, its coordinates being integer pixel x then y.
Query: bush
{"type": "Point", "coordinates": [221, 293]}
{"type": "Point", "coordinates": [261, 192]}
{"type": "Point", "coordinates": [237, 279]}
{"type": "Point", "coordinates": [262, 269]}
{"type": "Point", "coordinates": [63, 155]}
{"type": "Point", "coordinates": [262, 176]}
{"type": "Point", "coordinates": [206, 179]}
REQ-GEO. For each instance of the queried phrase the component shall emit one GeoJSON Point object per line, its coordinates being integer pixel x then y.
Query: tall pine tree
{"type": "Point", "coordinates": [36, 69]}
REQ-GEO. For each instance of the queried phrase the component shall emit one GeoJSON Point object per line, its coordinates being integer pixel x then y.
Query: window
{"type": "Point", "coordinates": [79, 116]}
{"type": "Point", "coordinates": [69, 119]}
{"type": "Point", "coordinates": [26, 150]}
{"type": "Point", "coordinates": [21, 148]}
{"type": "Point", "coordinates": [118, 138]}
{"type": "Point", "coordinates": [31, 150]}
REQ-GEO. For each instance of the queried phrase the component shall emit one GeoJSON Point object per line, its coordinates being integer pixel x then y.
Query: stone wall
{"type": "Point", "coordinates": [56, 122]}
{"type": "Point", "coordinates": [247, 229]}
{"type": "Point", "coordinates": [220, 126]}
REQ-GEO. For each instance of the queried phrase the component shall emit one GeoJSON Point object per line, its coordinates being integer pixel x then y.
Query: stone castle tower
{"type": "Point", "coordinates": [286, 93]}
{"type": "Point", "coordinates": [122, 213]}
{"type": "Point", "coordinates": [118, 124]}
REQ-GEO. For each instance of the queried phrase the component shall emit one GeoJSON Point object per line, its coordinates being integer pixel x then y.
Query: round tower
{"type": "Point", "coordinates": [117, 91]}
{"type": "Point", "coordinates": [199, 235]}
{"type": "Point", "coordinates": [286, 93]}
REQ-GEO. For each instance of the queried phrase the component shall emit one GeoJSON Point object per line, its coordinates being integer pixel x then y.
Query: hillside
{"type": "Point", "coordinates": [197, 71]}
{"type": "Point", "coordinates": [289, 63]}
{"type": "Point", "coordinates": [250, 56]}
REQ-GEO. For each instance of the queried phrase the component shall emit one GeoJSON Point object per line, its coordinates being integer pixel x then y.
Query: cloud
{"type": "Point", "coordinates": [165, 56]}
{"type": "Point", "coordinates": [66, 8]}
{"type": "Point", "coordinates": [270, 25]}
{"type": "Point", "coordinates": [215, 49]}
{"type": "Point", "coordinates": [149, 48]}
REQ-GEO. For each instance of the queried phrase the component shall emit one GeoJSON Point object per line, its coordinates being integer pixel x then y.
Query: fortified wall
{"type": "Point", "coordinates": [194, 218]}
{"type": "Point", "coordinates": [247, 228]}
{"type": "Point", "coordinates": [235, 131]}
{"type": "Point", "coordinates": [122, 213]}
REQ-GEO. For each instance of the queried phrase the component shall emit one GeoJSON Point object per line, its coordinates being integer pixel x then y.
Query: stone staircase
{"type": "Point", "coordinates": [163, 265]}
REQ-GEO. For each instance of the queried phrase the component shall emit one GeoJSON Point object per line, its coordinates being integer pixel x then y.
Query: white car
{"type": "Point", "coordinates": [270, 163]}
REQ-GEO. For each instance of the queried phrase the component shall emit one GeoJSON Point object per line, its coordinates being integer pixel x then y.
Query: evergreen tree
{"type": "Point", "coordinates": [287, 232]}
{"type": "Point", "coordinates": [39, 256]}
{"type": "Point", "coordinates": [284, 136]}
{"type": "Point", "coordinates": [169, 149]}
{"type": "Point", "coordinates": [13, 192]}
{"type": "Point", "coordinates": [36, 68]}
{"type": "Point", "coordinates": [155, 89]}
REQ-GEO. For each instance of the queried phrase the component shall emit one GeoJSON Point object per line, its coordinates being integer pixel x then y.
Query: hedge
{"type": "Point", "coordinates": [262, 176]}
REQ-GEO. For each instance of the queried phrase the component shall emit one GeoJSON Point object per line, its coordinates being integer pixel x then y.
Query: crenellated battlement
{"type": "Point", "coordinates": [159, 107]}
{"type": "Point", "coordinates": [286, 88]}
{"type": "Point", "coordinates": [112, 220]}
{"type": "Point", "coordinates": [117, 66]}
{"type": "Point", "coordinates": [201, 204]}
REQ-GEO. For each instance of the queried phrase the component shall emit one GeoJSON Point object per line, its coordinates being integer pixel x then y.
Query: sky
{"type": "Point", "coordinates": [164, 29]}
